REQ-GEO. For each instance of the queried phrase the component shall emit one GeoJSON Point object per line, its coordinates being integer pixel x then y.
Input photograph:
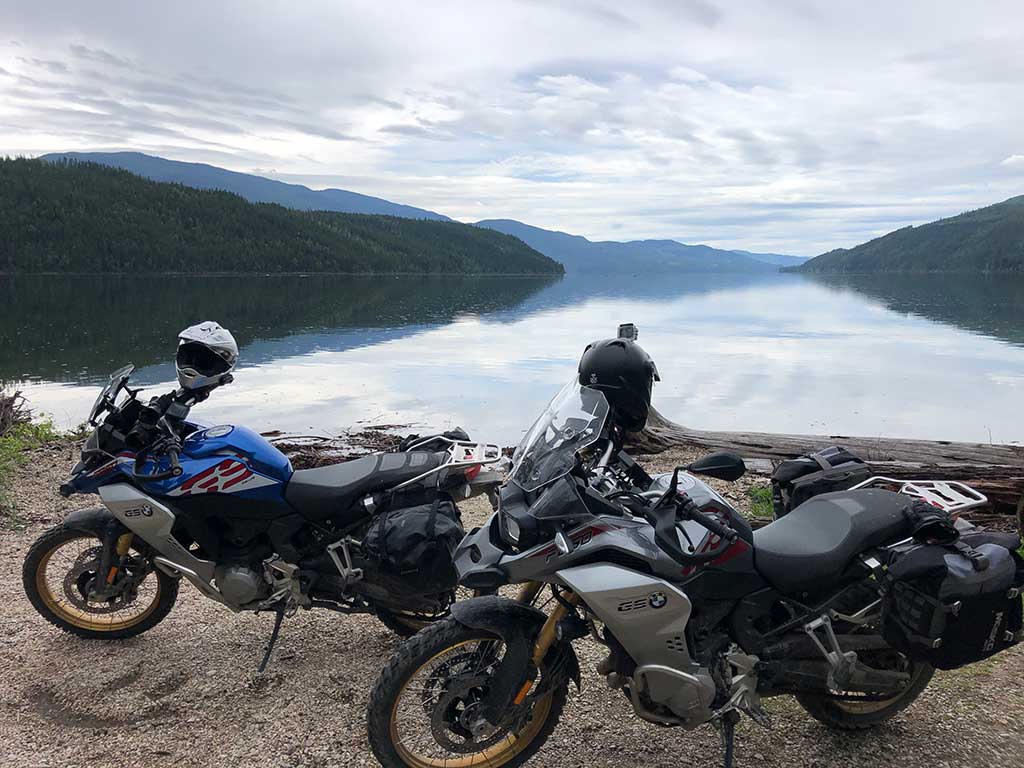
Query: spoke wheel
{"type": "Point", "coordinates": [61, 576]}
{"type": "Point", "coordinates": [425, 708]}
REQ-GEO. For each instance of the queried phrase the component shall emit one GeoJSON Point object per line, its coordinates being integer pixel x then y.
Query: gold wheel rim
{"type": "Point", "coordinates": [95, 622]}
{"type": "Point", "coordinates": [492, 757]}
{"type": "Point", "coordinates": [865, 707]}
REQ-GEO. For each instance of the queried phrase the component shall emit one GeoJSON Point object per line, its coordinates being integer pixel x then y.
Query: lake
{"type": "Point", "coordinates": [897, 355]}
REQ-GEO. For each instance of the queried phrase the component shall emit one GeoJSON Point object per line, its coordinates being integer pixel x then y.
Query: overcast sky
{"type": "Point", "coordinates": [792, 126]}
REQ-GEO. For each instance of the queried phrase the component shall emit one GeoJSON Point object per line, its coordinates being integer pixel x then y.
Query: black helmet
{"type": "Point", "coordinates": [625, 373]}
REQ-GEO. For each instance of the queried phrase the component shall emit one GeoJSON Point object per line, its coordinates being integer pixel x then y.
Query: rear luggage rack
{"type": "Point", "coordinates": [459, 453]}
{"type": "Point", "coordinates": [950, 495]}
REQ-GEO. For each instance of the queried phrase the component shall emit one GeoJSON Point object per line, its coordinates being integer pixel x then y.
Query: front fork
{"type": "Point", "coordinates": [116, 546]}
{"type": "Point", "coordinates": [549, 630]}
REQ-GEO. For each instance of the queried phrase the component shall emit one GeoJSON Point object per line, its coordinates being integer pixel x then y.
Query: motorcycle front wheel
{"type": "Point", "coordinates": [424, 708]}
{"type": "Point", "coordinates": [60, 571]}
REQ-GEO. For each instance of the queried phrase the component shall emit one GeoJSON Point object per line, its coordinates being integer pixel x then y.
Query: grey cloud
{"type": "Point", "coordinates": [99, 56]}
{"type": "Point", "coordinates": [56, 67]}
{"type": "Point", "coordinates": [702, 12]}
{"type": "Point", "coordinates": [254, 95]}
{"type": "Point", "coordinates": [591, 9]}
{"type": "Point", "coordinates": [370, 99]}
{"type": "Point", "coordinates": [996, 60]}
{"type": "Point", "coordinates": [323, 131]}
{"type": "Point", "coordinates": [415, 131]}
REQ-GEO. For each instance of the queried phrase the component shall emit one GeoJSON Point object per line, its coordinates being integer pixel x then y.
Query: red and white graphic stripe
{"type": "Point", "coordinates": [229, 476]}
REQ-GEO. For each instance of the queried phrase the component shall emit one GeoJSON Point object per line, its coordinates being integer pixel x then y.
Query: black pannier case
{"type": "Point", "coordinates": [415, 546]}
{"type": "Point", "coordinates": [955, 604]}
{"type": "Point", "coordinates": [795, 481]}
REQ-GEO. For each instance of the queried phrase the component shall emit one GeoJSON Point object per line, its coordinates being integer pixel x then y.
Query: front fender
{"type": "Point", "coordinates": [94, 520]}
{"type": "Point", "coordinates": [518, 625]}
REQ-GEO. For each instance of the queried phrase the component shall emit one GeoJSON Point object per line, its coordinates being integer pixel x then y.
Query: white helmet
{"type": "Point", "coordinates": [205, 353]}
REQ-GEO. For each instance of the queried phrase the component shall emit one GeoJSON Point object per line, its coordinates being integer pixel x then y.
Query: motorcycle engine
{"type": "Point", "coordinates": [241, 584]}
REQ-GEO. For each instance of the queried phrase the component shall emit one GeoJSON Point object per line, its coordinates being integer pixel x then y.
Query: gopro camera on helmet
{"type": "Point", "coordinates": [628, 331]}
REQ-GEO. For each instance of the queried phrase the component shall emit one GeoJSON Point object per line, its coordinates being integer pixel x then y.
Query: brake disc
{"type": "Point", "coordinates": [455, 711]}
{"type": "Point", "coordinates": [450, 669]}
{"type": "Point", "coordinates": [80, 580]}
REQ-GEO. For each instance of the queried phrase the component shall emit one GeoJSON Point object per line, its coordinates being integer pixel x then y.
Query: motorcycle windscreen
{"type": "Point", "coordinates": [572, 421]}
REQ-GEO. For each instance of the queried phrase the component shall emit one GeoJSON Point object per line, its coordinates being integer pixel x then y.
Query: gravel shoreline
{"type": "Point", "coordinates": [187, 692]}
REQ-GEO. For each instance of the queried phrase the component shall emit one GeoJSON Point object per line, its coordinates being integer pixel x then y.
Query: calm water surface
{"type": "Point", "coordinates": [929, 357]}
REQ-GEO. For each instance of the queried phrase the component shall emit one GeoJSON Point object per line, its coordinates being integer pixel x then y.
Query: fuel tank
{"type": "Point", "coordinates": [229, 460]}
{"type": "Point", "coordinates": [242, 442]}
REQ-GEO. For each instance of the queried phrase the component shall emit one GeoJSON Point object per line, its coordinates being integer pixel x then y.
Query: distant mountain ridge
{"type": "Point", "coordinates": [574, 251]}
{"type": "Point", "coordinates": [255, 189]}
{"type": "Point", "coordinates": [986, 240]}
{"type": "Point", "coordinates": [778, 259]}
{"type": "Point", "coordinates": [578, 254]}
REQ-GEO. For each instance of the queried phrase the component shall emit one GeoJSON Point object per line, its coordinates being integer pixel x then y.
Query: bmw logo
{"type": "Point", "coordinates": [657, 599]}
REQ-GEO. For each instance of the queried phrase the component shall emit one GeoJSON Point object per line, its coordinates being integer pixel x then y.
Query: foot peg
{"type": "Point", "coordinates": [840, 664]}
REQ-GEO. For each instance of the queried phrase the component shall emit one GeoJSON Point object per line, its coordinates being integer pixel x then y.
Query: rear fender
{"type": "Point", "coordinates": [99, 521]}
{"type": "Point", "coordinates": [517, 625]}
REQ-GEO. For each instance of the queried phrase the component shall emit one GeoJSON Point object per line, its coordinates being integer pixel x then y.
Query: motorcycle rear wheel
{"type": "Point", "coordinates": [438, 650]}
{"type": "Point", "coordinates": [853, 715]}
{"type": "Point", "coordinates": [408, 624]}
{"type": "Point", "coordinates": [56, 573]}
{"type": "Point", "coordinates": [402, 624]}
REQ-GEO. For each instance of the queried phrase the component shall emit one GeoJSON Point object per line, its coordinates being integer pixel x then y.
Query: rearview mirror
{"type": "Point", "coordinates": [724, 466]}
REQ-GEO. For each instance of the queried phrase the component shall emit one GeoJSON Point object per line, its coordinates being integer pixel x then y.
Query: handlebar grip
{"type": "Point", "coordinates": [711, 524]}
{"type": "Point", "coordinates": [667, 539]}
{"type": "Point", "coordinates": [173, 452]}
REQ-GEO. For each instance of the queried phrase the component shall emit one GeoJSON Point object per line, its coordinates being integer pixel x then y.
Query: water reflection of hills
{"type": "Point", "coordinates": [989, 305]}
{"type": "Point", "coordinates": [76, 329]}
{"type": "Point", "coordinates": [61, 328]}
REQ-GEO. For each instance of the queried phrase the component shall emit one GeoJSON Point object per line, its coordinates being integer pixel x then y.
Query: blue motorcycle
{"type": "Point", "coordinates": [222, 507]}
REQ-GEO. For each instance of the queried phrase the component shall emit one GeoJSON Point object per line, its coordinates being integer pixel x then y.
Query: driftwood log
{"type": "Point", "coordinates": [995, 470]}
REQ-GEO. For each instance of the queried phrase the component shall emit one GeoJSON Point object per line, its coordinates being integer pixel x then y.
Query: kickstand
{"type": "Point", "coordinates": [273, 639]}
{"type": "Point", "coordinates": [729, 720]}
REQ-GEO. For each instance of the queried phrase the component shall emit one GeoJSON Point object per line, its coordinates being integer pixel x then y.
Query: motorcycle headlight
{"type": "Point", "coordinates": [512, 532]}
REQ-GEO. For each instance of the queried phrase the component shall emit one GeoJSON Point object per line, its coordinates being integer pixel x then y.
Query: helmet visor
{"type": "Point", "coordinates": [199, 360]}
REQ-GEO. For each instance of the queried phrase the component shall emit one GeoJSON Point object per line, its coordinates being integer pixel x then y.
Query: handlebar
{"type": "Point", "coordinates": [723, 531]}
{"type": "Point", "coordinates": [171, 450]}
{"type": "Point", "coordinates": [673, 507]}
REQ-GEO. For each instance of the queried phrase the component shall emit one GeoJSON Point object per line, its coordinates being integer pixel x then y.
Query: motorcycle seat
{"type": "Point", "coordinates": [808, 550]}
{"type": "Point", "coordinates": [329, 493]}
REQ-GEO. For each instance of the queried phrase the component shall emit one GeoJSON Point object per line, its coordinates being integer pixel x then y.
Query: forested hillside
{"type": "Point", "coordinates": [82, 217]}
{"type": "Point", "coordinates": [987, 240]}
